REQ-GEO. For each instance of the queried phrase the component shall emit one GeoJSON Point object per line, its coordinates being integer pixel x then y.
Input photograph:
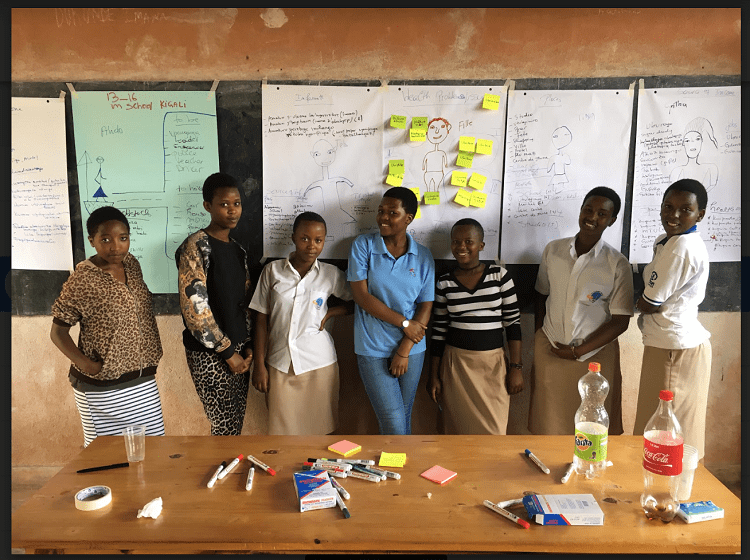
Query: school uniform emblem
{"type": "Point", "coordinates": [654, 276]}
{"type": "Point", "coordinates": [594, 296]}
{"type": "Point", "coordinates": [318, 303]}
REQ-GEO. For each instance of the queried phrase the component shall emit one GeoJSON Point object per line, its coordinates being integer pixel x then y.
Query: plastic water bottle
{"type": "Point", "coordinates": [592, 424]}
{"type": "Point", "coordinates": [662, 461]}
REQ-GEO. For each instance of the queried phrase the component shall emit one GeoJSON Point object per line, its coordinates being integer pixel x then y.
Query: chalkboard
{"type": "Point", "coordinates": [238, 106]}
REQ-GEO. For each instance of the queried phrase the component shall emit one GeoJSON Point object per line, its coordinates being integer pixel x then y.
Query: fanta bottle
{"type": "Point", "coordinates": [662, 461]}
{"type": "Point", "coordinates": [592, 424]}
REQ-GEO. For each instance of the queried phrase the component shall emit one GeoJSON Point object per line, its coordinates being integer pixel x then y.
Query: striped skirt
{"type": "Point", "coordinates": [107, 413]}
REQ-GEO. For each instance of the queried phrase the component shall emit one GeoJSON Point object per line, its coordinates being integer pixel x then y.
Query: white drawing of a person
{"type": "Point", "coordinates": [561, 137]}
{"type": "Point", "coordinates": [340, 222]}
{"type": "Point", "coordinates": [435, 161]}
{"type": "Point", "coordinates": [692, 140]}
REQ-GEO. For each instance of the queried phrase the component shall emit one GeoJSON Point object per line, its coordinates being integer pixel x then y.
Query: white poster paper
{"type": "Point", "coordinates": [560, 145]}
{"type": "Point", "coordinates": [40, 221]}
{"type": "Point", "coordinates": [321, 153]}
{"type": "Point", "coordinates": [688, 133]}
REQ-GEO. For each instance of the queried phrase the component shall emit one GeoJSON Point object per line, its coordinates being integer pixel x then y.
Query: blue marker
{"type": "Point", "coordinates": [539, 464]}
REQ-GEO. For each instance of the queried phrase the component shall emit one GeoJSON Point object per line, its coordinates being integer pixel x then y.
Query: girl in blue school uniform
{"type": "Point", "coordinates": [392, 280]}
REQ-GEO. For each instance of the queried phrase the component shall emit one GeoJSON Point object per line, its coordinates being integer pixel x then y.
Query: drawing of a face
{"type": "Point", "coordinates": [323, 153]}
{"type": "Point", "coordinates": [692, 143]}
{"type": "Point", "coordinates": [561, 137]}
{"type": "Point", "coordinates": [438, 130]}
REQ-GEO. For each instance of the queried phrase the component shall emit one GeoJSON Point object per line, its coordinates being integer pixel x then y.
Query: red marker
{"type": "Point", "coordinates": [327, 467]}
{"type": "Point", "coordinates": [506, 514]}
{"type": "Point", "coordinates": [231, 465]}
{"type": "Point", "coordinates": [263, 466]}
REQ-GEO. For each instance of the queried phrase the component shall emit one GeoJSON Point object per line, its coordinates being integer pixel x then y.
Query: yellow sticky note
{"type": "Point", "coordinates": [463, 197]}
{"type": "Point", "coordinates": [491, 102]}
{"type": "Point", "coordinates": [415, 190]}
{"type": "Point", "coordinates": [417, 134]}
{"type": "Point", "coordinates": [484, 146]}
{"type": "Point", "coordinates": [458, 178]}
{"type": "Point", "coordinates": [398, 121]}
{"type": "Point", "coordinates": [419, 213]}
{"type": "Point", "coordinates": [432, 198]}
{"type": "Point", "coordinates": [394, 180]}
{"type": "Point", "coordinates": [466, 143]}
{"type": "Point", "coordinates": [419, 122]}
{"type": "Point", "coordinates": [465, 159]}
{"type": "Point", "coordinates": [395, 167]}
{"type": "Point", "coordinates": [477, 181]}
{"type": "Point", "coordinates": [392, 459]}
{"type": "Point", "coordinates": [478, 199]}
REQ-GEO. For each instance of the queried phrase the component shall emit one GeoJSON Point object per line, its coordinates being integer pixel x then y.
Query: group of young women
{"type": "Point", "coordinates": [390, 287]}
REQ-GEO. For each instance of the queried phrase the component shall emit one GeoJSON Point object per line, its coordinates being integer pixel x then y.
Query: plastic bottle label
{"type": "Point", "coordinates": [591, 447]}
{"type": "Point", "coordinates": [659, 458]}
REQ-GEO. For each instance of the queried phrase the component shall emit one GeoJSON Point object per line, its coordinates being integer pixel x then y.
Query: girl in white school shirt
{"type": "Point", "coordinates": [295, 358]}
{"type": "Point", "coordinates": [677, 353]}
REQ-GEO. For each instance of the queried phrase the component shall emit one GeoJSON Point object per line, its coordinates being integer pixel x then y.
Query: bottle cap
{"type": "Point", "coordinates": [666, 395]}
{"type": "Point", "coordinates": [595, 366]}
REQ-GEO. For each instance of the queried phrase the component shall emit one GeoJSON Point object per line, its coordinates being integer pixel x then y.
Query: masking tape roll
{"type": "Point", "coordinates": [93, 497]}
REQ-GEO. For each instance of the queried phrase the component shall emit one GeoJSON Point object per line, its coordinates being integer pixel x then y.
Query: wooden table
{"type": "Point", "coordinates": [410, 515]}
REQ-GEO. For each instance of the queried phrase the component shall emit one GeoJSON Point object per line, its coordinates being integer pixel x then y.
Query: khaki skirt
{"type": "Point", "coordinates": [474, 397]}
{"type": "Point", "coordinates": [305, 404]}
{"type": "Point", "coordinates": [686, 373]}
{"type": "Point", "coordinates": [554, 388]}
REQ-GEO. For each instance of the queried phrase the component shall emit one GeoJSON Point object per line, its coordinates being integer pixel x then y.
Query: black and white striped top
{"type": "Point", "coordinates": [475, 319]}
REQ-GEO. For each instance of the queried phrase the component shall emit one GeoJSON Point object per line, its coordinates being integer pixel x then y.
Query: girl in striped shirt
{"type": "Point", "coordinates": [470, 374]}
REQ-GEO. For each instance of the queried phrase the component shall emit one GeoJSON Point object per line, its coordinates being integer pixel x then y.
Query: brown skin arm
{"type": "Point", "coordinates": [400, 360]}
{"type": "Point", "coordinates": [260, 373]}
{"type": "Point", "coordinates": [645, 307]}
{"type": "Point", "coordinates": [372, 305]}
{"type": "Point", "coordinates": [600, 337]}
{"type": "Point", "coordinates": [60, 336]}
{"type": "Point", "coordinates": [514, 377]}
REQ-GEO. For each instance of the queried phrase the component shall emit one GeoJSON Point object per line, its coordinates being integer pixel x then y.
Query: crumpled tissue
{"type": "Point", "coordinates": [151, 509]}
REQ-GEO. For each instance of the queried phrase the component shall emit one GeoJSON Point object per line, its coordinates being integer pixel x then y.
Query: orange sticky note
{"type": "Point", "coordinates": [439, 474]}
{"type": "Point", "coordinates": [478, 199]}
{"type": "Point", "coordinates": [463, 197]}
{"type": "Point", "coordinates": [345, 447]}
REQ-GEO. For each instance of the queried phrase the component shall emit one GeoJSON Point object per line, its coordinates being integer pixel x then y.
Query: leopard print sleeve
{"type": "Point", "coordinates": [194, 304]}
{"type": "Point", "coordinates": [67, 307]}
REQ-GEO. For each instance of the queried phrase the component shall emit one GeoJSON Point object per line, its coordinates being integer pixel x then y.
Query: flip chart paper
{"type": "Point", "coordinates": [147, 153]}
{"type": "Point", "coordinates": [40, 214]}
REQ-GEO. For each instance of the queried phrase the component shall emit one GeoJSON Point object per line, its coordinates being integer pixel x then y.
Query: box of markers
{"type": "Point", "coordinates": [314, 490]}
{"type": "Point", "coordinates": [692, 512]}
{"type": "Point", "coordinates": [564, 509]}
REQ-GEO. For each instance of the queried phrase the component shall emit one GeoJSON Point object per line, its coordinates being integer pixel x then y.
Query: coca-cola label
{"type": "Point", "coordinates": [662, 459]}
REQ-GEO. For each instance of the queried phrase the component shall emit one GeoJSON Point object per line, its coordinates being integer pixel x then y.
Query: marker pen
{"type": "Point", "coordinates": [363, 476]}
{"type": "Point", "coordinates": [331, 472]}
{"type": "Point", "coordinates": [367, 470]}
{"type": "Point", "coordinates": [539, 464]}
{"type": "Point", "coordinates": [383, 472]}
{"type": "Point", "coordinates": [350, 461]}
{"type": "Point", "coordinates": [250, 475]}
{"type": "Point", "coordinates": [340, 502]}
{"type": "Point", "coordinates": [330, 465]}
{"type": "Point", "coordinates": [568, 472]}
{"type": "Point", "coordinates": [509, 503]}
{"type": "Point", "coordinates": [340, 489]}
{"type": "Point", "coordinates": [216, 474]}
{"type": "Point", "coordinates": [507, 514]}
{"type": "Point", "coordinates": [233, 464]}
{"type": "Point", "coordinates": [263, 466]}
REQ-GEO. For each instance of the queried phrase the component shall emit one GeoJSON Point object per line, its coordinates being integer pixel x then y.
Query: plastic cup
{"type": "Point", "coordinates": [135, 443]}
{"type": "Point", "coordinates": [685, 480]}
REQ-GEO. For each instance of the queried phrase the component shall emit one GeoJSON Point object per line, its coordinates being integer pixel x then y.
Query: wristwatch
{"type": "Point", "coordinates": [405, 323]}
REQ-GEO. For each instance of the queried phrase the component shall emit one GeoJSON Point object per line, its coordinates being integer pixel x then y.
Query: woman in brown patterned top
{"type": "Point", "coordinates": [115, 360]}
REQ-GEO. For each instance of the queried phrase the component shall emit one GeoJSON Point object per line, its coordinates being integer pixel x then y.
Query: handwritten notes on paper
{"type": "Point", "coordinates": [147, 153]}
{"type": "Point", "coordinates": [690, 133]}
{"type": "Point", "coordinates": [322, 148]}
{"type": "Point", "coordinates": [40, 216]}
{"type": "Point", "coordinates": [559, 145]}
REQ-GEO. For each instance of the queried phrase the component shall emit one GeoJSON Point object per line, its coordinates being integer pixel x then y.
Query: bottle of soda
{"type": "Point", "coordinates": [662, 461]}
{"type": "Point", "coordinates": [592, 424]}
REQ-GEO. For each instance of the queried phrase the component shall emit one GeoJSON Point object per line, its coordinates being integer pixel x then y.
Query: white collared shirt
{"type": "Point", "coordinates": [584, 292]}
{"type": "Point", "coordinates": [295, 307]}
{"type": "Point", "coordinates": [675, 280]}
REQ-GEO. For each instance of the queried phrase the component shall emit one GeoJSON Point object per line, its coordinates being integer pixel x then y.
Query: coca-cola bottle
{"type": "Point", "coordinates": [662, 461]}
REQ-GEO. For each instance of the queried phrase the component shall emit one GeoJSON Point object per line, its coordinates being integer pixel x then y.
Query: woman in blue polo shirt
{"type": "Point", "coordinates": [392, 278]}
